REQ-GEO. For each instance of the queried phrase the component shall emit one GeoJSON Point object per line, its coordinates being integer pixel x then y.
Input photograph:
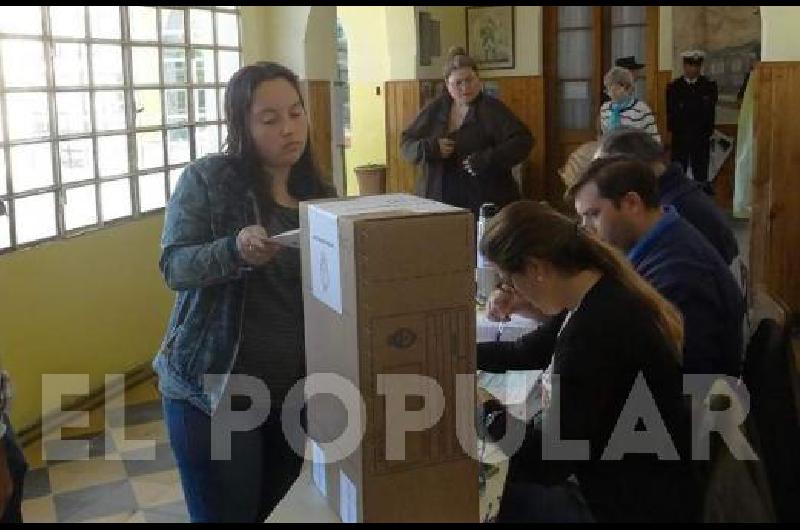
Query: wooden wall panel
{"type": "Point", "coordinates": [402, 106]}
{"type": "Point", "coordinates": [775, 221]}
{"type": "Point", "coordinates": [318, 107]}
{"type": "Point", "coordinates": [525, 97]}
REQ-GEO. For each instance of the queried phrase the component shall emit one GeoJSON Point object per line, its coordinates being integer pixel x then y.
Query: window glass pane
{"type": "Point", "coordinates": [227, 29]}
{"type": "Point", "coordinates": [221, 103]}
{"type": "Point", "coordinates": [178, 146]}
{"type": "Point", "coordinates": [174, 66]}
{"type": "Point", "coordinates": [205, 104]}
{"type": "Point", "coordinates": [145, 65]}
{"type": "Point", "coordinates": [68, 21]}
{"type": "Point", "coordinates": [628, 15]}
{"type": "Point", "coordinates": [574, 16]}
{"type": "Point", "coordinates": [23, 20]}
{"type": "Point", "coordinates": [73, 112]}
{"type": "Point", "coordinates": [148, 108]}
{"type": "Point", "coordinates": [177, 106]}
{"type": "Point", "coordinates": [575, 105]}
{"type": "Point", "coordinates": [27, 115]}
{"type": "Point", "coordinates": [201, 24]}
{"type": "Point", "coordinates": [115, 199]}
{"type": "Point", "coordinates": [174, 175]}
{"type": "Point", "coordinates": [80, 207]}
{"type": "Point", "coordinates": [143, 23]}
{"type": "Point", "coordinates": [109, 108]}
{"type": "Point", "coordinates": [2, 134]}
{"type": "Point", "coordinates": [203, 66]}
{"type": "Point", "coordinates": [206, 140]}
{"type": "Point", "coordinates": [70, 64]}
{"type": "Point", "coordinates": [228, 64]}
{"type": "Point", "coordinates": [172, 29]}
{"type": "Point", "coordinates": [31, 166]}
{"type": "Point", "coordinates": [5, 233]}
{"type": "Point", "coordinates": [150, 150]}
{"type": "Point", "coordinates": [628, 40]}
{"type": "Point", "coordinates": [23, 63]}
{"type": "Point", "coordinates": [107, 64]}
{"type": "Point", "coordinates": [35, 217]}
{"type": "Point", "coordinates": [112, 155]}
{"type": "Point", "coordinates": [104, 22]}
{"type": "Point", "coordinates": [575, 54]}
{"type": "Point", "coordinates": [3, 184]}
{"type": "Point", "coordinates": [77, 160]}
{"type": "Point", "coordinates": [151, 192]}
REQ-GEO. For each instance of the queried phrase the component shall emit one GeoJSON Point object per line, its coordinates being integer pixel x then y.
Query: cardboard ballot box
{"type": "Point", "coordinates": [388, 288]}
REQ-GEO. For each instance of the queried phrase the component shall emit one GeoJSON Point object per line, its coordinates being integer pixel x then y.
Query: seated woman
{"type": "Point", "coordinates": [625, 109]}
{"type": "Point", "coordinates": [607, 328]}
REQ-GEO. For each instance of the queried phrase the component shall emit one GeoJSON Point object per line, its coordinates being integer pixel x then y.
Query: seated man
{"type": "Point", "coordinates": [617, 199]}
{"type": "Point", "coordinates": [675, 188]}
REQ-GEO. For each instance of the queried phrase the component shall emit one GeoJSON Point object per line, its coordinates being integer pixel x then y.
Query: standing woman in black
{"type": "Point", "coordinates": [466, 142]}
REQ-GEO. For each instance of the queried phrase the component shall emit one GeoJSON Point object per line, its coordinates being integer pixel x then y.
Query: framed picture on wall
{"type": "Point", "coordinates": [490, 36]}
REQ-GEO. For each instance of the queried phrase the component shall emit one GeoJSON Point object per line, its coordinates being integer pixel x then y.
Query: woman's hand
{"type": "Point", "coordinates": [504, 302]}
{"type": "Point", "coordinates": [446, 147]}
{"type": "Point", "coordinates": [254, 245]}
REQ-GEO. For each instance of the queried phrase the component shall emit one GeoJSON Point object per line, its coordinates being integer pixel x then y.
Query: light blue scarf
{"type": "Point", "coordinates": [615, 120]}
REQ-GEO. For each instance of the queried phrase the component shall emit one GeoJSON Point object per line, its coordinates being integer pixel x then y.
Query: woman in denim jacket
{"type": "Point", "coordinates": [237, 326]}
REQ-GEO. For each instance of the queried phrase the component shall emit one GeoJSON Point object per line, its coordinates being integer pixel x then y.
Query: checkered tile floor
{"type": "Point", "coordinates": [129, 476]}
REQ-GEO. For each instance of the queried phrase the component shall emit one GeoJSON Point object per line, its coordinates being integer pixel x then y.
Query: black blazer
{"type": "Point", "coordinates": [493, 138]}
{"type": "Point", "coordinates": [607, 342]}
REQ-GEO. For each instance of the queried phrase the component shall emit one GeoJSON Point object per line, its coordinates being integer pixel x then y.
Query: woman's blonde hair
{"type": "Point", "coordinates": [577, 162]}
{"type": "Point", "coordinates": [527, 229]}
{"type": "Point", "coordinates": [619, 76]}
{"type": "Point", "coordinates": [457, 58]}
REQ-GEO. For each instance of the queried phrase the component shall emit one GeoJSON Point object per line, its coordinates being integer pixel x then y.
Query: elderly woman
{"type": "Point", "coordinates": [625, 109]}
{"type": "Point", "coordinates": [466, 142]}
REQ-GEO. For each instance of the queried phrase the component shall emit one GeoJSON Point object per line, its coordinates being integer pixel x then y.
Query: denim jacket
{"type": "Point", "coordinates": [200, 261]}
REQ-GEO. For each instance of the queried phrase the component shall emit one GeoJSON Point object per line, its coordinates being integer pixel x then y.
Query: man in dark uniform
{"type": "Point", "coordinates": [691, 104]}
{"type": "Point", "coordinates": [628, 62]}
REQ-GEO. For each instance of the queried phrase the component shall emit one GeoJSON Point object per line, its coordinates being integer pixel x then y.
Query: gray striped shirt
{"type": "Point", "coordinates": [637, 115]}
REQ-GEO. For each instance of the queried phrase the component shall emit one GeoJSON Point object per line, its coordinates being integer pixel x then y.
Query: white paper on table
{"type": "Point", "coordinates": [517, 326]}
{"type": "Point", "coordinates": [290, 238]}
{"type": "Point", "coordinates": [347, 499]}
{"type": "Point", "coordinates": [318, 468]}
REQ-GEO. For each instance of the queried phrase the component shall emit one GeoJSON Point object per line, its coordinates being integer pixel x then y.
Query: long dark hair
{"type": "Point", "coordinates": [527, 229]}
{"type": "Point", "coordinates": [305, 181]}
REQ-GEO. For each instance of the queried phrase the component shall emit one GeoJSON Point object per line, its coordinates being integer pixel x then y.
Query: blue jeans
{"type": "Point", "coordinates": [17, 467]}
{"type": "Point", "coordinates": [245, 488]}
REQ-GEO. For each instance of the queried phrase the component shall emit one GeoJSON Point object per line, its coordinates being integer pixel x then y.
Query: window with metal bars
{"type": "Point", "coordinates": [101, 107]}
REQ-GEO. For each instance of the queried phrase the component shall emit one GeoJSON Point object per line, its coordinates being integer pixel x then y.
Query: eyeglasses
{"type": "Point", "coordinates": [463, 82]}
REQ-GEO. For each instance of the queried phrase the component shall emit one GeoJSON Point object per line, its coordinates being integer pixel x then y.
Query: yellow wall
{"type": "Point", "coordinates": [275, 33]}
{"type": "Point", "coordinates": [92, 304]}
{"type": "Point", "coordinates": [401, 42]}
{"type": "Point", "coordinates": [780, 38]}
{"type": "Point", "coordinates": [369, 66]}
{"type": "Point", "coordinates": [453, 32]}
{"type": "Point", "coordinates": [453, 26]}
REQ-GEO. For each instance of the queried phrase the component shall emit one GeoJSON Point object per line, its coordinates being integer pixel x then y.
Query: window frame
{"type": "Point", "coordinates": [129, 89]}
